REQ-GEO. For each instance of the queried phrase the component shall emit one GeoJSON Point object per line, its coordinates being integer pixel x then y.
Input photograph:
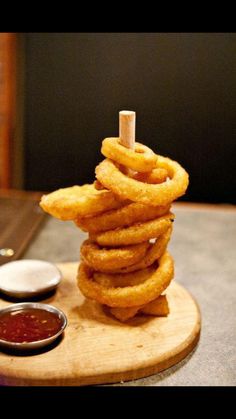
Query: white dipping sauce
{"type": "Point", "coordinates": [28, 277]}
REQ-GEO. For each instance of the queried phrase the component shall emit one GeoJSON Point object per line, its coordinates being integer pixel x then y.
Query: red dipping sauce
{"type": "Point", "coordinates": [29, 325]}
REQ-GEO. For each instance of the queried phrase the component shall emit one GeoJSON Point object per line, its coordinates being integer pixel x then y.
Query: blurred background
{"type": "Point", "coordinates": [60, 95]}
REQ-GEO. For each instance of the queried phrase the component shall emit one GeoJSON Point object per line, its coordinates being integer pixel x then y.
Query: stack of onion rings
{"type": "Point", "coordinates": [126, 212]}
{"type": "Point", "coordinates": [121, 268]}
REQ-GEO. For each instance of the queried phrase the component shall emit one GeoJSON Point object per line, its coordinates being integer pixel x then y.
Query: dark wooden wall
{"type": "Point", "coordinates": [182, 87]}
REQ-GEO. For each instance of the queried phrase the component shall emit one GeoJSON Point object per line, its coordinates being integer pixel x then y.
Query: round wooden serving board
{"type": "Point", "coordinates": [97, 348]}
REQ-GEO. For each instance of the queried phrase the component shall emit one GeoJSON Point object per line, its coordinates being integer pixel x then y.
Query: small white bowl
{"type": "Point", "coordinates": [28, 278]}
{"type": "Point", "coordinates": [38, 343]}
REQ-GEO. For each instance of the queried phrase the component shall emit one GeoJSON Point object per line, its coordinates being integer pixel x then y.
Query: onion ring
{"type": "Point", "coordinates": [137, 233]}
{"type": "Point", "coordinates": [129, 296]}
{"type": "Point", "coordinates": [124, 313]}
{"type": "Point", "coordinates": [121, 217]}
{"type": "Point", "coordinates": [69, 203]}
{"type": "Point", "coordinates": [153, 253]}
{"type": "Point", "coordinates": [141, 159]}
{"type": "Point", "coordinates": [123, 280]}
{"type": "Point", "coordinates": [155, 176]}
{"type": "Point", "coordinates": [108, 260]}
{"type": "Point", "coordinates": [157, 307]}
{"type": "Point", "coordinates": [98, 185]}
{"type": "Point", "coordinates": [125, 187]}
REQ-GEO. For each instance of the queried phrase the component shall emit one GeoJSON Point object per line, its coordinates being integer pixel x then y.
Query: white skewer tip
{"type": "Point", "coordinates": [127, 128]}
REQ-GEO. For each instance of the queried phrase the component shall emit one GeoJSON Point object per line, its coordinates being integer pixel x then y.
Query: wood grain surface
{"type": "Point", "coordinates": [97, 348]}
{"type": "Point", "coordinates": [20, 217]}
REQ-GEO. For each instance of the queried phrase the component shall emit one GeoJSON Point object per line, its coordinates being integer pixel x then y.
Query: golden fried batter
{"type": "Point", "coordinates": [70, 203]}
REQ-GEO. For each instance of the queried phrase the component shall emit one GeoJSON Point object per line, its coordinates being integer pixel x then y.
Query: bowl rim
{"type": "Point", "coordinates": [35, 343]}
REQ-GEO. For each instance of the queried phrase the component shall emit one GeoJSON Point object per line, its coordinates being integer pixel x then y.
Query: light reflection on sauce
{"type": "Point", "coordinates": [28, 325]}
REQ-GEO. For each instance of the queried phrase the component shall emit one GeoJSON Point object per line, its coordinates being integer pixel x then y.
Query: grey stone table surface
{"type": "Point", "coordinates": [204, 248]}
